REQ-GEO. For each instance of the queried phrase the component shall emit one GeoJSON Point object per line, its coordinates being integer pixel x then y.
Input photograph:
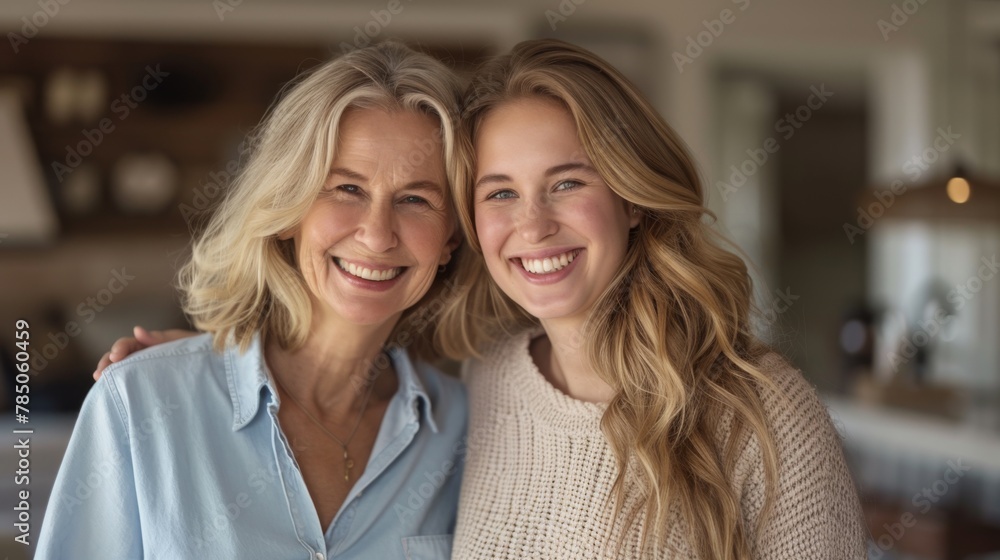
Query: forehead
{"type": "Point", "coordinates": [402, 140]}
{"type": "Point", "coordinates": [525, 132]}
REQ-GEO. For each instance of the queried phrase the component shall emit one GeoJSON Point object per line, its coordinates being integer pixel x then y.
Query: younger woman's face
{"type": "Point", "coordinates": [553, 234]}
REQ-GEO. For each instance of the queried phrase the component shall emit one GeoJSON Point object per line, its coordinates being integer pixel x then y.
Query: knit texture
{"type": "Point", "coordinates": [539, 473]}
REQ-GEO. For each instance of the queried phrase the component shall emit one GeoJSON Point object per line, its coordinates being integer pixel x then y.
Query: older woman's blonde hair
{"type": "Point", "coordinates": [672, 332]}
{"type": "Point", "coordinates": [241, 277]}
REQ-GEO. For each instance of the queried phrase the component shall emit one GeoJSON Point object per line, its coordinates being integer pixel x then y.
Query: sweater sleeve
{"type": "Point", "coordinates": [93, 510]}
{"type": "Point", "coordinates": [816, 511]}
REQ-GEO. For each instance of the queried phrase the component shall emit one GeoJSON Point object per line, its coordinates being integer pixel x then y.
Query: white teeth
{"type": "Point", "coordinates": [548, 265]}
{"type": "Point", "coordinates": [367, 273]}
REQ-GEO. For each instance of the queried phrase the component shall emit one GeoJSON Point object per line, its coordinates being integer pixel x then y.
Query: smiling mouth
{"type": "Point", "coordinates": [367, 273]}
{"type": "Point", "coordinates": [548, 265]}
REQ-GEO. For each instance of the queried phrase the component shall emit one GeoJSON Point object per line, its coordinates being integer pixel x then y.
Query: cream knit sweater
{"type": "Point", "coordinates": [538, 472]}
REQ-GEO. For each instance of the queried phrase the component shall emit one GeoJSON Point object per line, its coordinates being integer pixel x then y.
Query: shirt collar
{"type": "Point", "coordinates": [411, 388]}
{"type": "Point", "coordinates": [246, 373]}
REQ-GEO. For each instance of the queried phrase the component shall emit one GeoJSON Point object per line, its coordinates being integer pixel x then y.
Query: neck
{"type": "Point", "coordinates": [566, 363]}
{"type": "Point", "coordinates": [332, 371]}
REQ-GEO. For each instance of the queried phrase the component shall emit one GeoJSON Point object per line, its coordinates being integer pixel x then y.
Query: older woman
{"type": "Point", "coordinates": [298, 426]}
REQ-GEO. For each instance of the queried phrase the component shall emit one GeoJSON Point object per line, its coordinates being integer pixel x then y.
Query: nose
{"type": "Point", "coordinates": [535, 222]}
{"type": "Point", "coordinates": [376, 229]}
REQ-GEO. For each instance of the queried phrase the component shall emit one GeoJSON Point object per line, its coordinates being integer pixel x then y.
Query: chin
{"type": "Point", "coordinates": [364, 315]}
{"type": "Point", "coordinates": [548, 310]}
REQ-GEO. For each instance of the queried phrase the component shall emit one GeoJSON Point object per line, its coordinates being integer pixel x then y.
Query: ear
{"type": "Point", "coordinates": [288, 234]}
{"type": "Point", "coordinates": [634, 216]}
{"type": "Point", "coordinates": [451, 245]}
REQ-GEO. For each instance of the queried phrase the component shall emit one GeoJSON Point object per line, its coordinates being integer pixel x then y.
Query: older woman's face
{"type": "Point", "coordinates": [370, 245]}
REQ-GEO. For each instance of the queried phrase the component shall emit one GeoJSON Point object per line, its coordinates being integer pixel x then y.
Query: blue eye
{"type": "Point", "coordinates": [501, 195]}
{"type": "Point", "coordinates": [352, 189]}
{"type": "Point", "coordinates": [566, 185]}
{"type": "Point", "coordinates": [411, 199]}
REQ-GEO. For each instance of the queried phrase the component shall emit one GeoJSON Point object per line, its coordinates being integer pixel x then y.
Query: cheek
{"type": "Point", "coordinates": [425, 235]}
{"type": "Point", "coordinates": [601, 219]}
{"type": "Point", "coordinates": [492, 228]}
{"type": "Point", "coordinates": [321, 229]}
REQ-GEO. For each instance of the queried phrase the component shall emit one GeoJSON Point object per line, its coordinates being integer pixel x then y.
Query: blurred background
{"type": "Point", "coordinates": [848, 148]}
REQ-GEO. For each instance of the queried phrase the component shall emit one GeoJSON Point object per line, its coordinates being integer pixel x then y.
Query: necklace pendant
{"type": "Point", "coordinates": [348, 464]}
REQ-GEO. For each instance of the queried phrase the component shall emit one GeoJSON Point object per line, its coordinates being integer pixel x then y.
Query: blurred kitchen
{"type": "Point", "coordinates": [849, 148]}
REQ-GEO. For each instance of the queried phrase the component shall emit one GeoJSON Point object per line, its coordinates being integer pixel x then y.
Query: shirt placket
{"type": "Point", "coordinates": [307, 529]}
{"type": "Point", "coordinates": [339, 530]}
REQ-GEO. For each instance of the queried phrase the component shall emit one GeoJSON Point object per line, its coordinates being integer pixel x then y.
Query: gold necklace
{"type": "Point", "coordinates": [348, 462]}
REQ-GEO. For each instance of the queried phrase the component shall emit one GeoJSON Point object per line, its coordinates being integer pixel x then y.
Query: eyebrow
{"type": "Point", "coordinates": [554, 170]}
{"type": "Point", "coordinates": [418, 185]}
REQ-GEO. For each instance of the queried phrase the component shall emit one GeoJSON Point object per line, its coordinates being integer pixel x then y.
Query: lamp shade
{"type": "Point", "coordinates": [26, 212]}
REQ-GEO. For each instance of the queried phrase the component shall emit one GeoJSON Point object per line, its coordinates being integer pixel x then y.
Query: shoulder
{"type": "Point", "coordinates": [796, 418]}
{"type": "Point", "coordinates": [795, 411]}
{"type": "Point", "coordinates": [191, 350]}
{"type": "Point", "coordinates": [503, 354]}
{"type": "Point", "coordinates": [797, 423]}
{"type": "Point", "coordinates": [183, 369]}
{"type": "Point", "coordinates": [815, 500]}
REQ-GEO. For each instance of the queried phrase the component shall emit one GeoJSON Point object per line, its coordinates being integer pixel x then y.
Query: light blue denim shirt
{"type": "Point", "coordinates": [177, 453]}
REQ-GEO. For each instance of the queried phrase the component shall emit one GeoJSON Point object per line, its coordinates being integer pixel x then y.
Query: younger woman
{"type": "Point", "coordinates": [632, 413]}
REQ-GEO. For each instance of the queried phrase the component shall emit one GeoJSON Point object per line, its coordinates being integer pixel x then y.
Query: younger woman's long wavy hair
{"type": "Point", "coordinates": [671, 334]}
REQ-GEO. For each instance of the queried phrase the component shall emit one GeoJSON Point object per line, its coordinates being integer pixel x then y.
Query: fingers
{"type": "Point", "coordinates": [144, 336]}
{"type": "Point", "coordinates": [103, 363]}
{"type": "Point", "coordinates": [123, 347]}
{"type": "Point", "coordinates": [152, 338]}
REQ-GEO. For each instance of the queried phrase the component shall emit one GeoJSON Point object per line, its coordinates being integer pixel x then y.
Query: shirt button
{"type": "Point", "coordinates": [320, 556]}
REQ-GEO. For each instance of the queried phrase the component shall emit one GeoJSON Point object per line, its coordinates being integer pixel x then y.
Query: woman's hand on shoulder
{"type": "Point", "coordinates": [141, 338]}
